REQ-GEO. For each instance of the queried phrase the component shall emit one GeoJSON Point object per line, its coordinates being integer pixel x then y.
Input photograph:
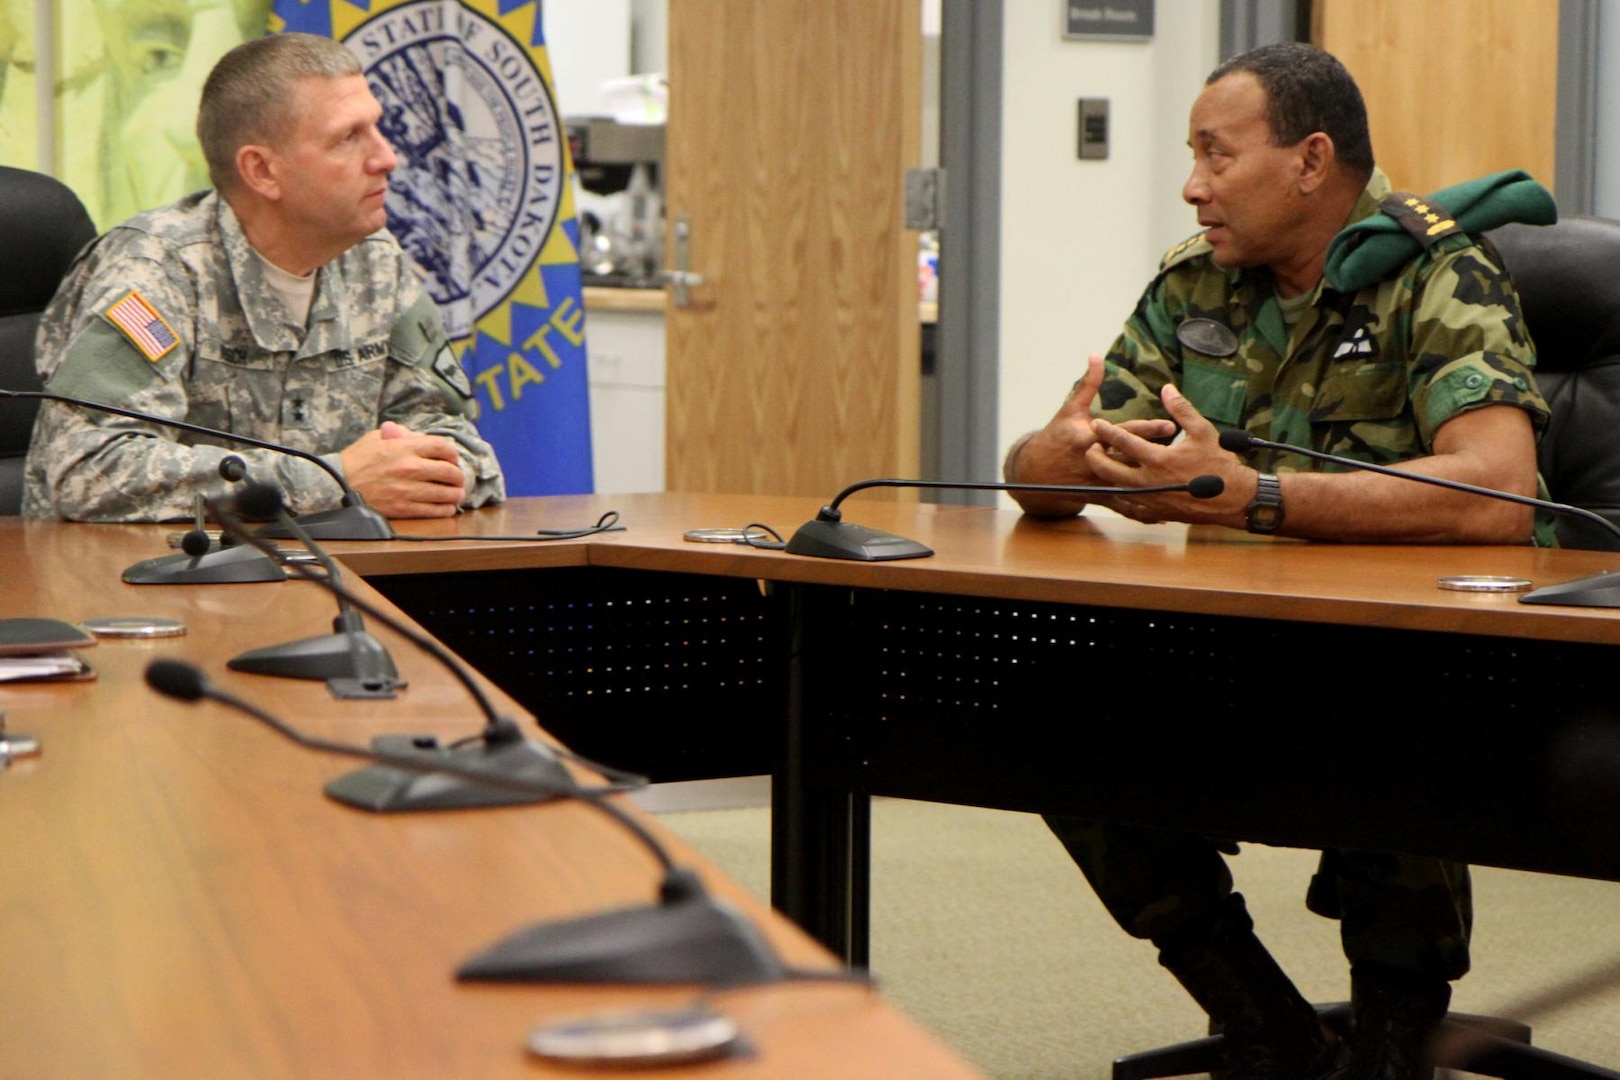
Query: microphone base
{"type": "Point", "coordinates": [331, 658]}
{"type": "Point", "coordinates": [228, 565]}
{"type": "Point", "coordinates": [1595, 591]}
{"type": "Point", "coordinates": [356, 522]}
{"type": "Point", "coordinates": [690, 939]}
{"type": "Point", "coordinates": [840, 540]}
{"type": "Point", "coordinates": [383, 789]}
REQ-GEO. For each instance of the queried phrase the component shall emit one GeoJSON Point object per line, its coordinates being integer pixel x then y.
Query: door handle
{"type": "Point", "coordinates": [682, 279]}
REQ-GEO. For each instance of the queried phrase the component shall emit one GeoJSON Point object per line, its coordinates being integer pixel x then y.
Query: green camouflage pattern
{"type": "Point", "coordinates": [1411, 913]}
{"type": "Point", "coordinates": [375, 349]}
{"type": "Point", "coordinates": [1370, 375]}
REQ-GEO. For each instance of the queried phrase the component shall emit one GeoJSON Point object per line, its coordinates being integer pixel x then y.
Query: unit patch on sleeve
{"type": "Point", "coordinates": [143, 326]}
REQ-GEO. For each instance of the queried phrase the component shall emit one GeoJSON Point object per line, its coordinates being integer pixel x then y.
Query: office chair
{"type": "Point", "coordinates": [1565, 274]}
{"type": "Point", "coordinates": [42, 227]}
{"type": "Point", "coordinates": [1570, 293]}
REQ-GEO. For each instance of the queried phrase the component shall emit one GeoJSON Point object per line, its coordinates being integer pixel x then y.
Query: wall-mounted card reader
{"type": "Point", "coordinates": [1093, 129]}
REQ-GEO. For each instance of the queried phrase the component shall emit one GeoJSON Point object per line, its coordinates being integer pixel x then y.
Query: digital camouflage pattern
{"type": "Point", "coordinates": [375, 350]}
{"type": "Point", "coordinates": [1370, 375]}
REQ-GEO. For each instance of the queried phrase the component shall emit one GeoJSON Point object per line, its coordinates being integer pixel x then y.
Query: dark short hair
{"type": "Point", "coordinates": [245, 99]}
{"type": "Point", "coordinates": [1308, 90]}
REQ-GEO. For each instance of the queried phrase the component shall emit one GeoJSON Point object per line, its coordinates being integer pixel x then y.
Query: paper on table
{"type": "Point", "coordinates": [51, 665]}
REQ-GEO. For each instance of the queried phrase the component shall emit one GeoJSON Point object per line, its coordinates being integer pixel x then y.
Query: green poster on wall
{"type": "Point", "coordinates": [19, 136]}
{"type": "Point", "coordinates": [129, 73]}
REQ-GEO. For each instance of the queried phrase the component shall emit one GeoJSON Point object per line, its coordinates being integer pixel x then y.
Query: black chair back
{"type": "Point", "coordinates": [1568, 277]}
{"type": "Point", "coordinates": [44, 225]}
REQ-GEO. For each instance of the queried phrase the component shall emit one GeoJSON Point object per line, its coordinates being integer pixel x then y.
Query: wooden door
{"type": "Point", "coordinates": [794, 370]}
{"type": "Point", "coordinates": [1455, 88]}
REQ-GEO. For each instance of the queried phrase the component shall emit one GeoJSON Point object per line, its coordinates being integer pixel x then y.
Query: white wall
{"type": "Point", "coordinates": [1081, 239]}
{"type": "Point", "coordinates": [588, 41]}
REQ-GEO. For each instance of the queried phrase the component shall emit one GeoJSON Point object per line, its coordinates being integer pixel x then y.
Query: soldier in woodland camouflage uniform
{"type": "Point", "coordinates": [276, 306]}
{"type": "Point", "coordinates": [1244, 328]}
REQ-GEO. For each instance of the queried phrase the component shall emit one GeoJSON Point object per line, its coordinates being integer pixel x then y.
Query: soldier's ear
{"type": "Point", "coordinates": [1316, 157]}
{"type": "Point", "coordinates": [259, 170]}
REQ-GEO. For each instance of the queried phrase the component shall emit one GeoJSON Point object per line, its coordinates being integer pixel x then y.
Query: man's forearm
{"type": "Point", "coordinates": [1015, 470]}
{"type": "Point", "coordinates": [1492, 447]}
{"type": "Point", "coordinates": [95, 474]}
{"type": "Point", "coordinates": [1369, 507]}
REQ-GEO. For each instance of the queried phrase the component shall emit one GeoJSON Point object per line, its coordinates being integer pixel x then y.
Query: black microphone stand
{"type": "Point", "coordinates": [829, 536]}
{"type": "Point", "coordinates": [500, 749]}
{"type": "Point", "coordinates": [688, 936]}
{"type": "Point", "coordinates": [353, 664]}
{"type": "Point", "coordinates": [201, 563]}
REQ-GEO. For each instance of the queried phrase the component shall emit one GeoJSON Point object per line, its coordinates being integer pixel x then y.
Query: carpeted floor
{"type": "Point", "coordinates": [985, 933]}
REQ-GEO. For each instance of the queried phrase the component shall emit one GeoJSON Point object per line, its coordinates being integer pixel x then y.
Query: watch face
{"type": "Point", "coordinates": [1265, 513]}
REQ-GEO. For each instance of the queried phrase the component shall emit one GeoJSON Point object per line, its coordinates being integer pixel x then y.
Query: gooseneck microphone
{"type": "Point", "coordinates": [200, 561]}
{"type": "Point", "coordinates": [499, 748]}
{"type": "Point", "coordinates": [688, 936]}
{"type": "Point", "coordinates": [354, 520]}
{"type": "Point", "coordinates": [830, 537]}
{"type": "Point", "coordinates": [1598, 590]}
{"type": "Point", "coordinates": [352, 663]}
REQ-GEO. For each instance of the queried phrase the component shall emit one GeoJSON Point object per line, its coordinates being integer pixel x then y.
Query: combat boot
{"type": "Point", "coordinates": [1396, 1016]}
{"type": "Point", "coordinates": [1271, 1032]}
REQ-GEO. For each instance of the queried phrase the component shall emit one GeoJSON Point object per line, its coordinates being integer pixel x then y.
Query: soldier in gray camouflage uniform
{"type": "Point", "coordinates": [1429, 366]}
{"type": "Point", "coordinates": [276, 306]}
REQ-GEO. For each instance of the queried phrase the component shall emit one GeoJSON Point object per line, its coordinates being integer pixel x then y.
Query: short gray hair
{"type": "Point", "coordinates": [246, 97]}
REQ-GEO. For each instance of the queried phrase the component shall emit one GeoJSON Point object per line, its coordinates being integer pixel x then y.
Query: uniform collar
{"type": "Point", "coordinates": [263, 310]}
{"type": "Point", "coordinates": [1378, 186]}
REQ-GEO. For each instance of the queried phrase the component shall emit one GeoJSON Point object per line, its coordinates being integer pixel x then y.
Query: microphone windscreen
{"type": "Point", "coordinates": [176, 679]}
{"type": "Point", "coordinates": [1205, 487]}
{"type": "Point", "coordinates": [258, 502]}
{"type": "Point", "coordinates": [1237, 442]}
{"type": "Point", "coordinates": [195, 542]}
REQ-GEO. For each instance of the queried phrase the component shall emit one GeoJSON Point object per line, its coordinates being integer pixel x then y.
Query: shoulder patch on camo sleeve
{"type": "Point", "coordinates": [140, 322]}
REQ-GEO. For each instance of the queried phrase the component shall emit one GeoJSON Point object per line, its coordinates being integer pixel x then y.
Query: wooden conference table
{"type": "Point", "coordinates": [178, 899]}
{"type": "Point", "coordinates": [1313, 695]}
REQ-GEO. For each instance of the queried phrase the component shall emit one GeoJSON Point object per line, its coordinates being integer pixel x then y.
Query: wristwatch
{"type": "Point", "coordinates": [1266, 511]}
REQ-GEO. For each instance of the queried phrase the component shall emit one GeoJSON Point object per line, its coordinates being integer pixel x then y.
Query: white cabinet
{"type": "Point", "coordinates": [624, 342]}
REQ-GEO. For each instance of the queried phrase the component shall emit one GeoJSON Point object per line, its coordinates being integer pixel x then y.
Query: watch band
{"type": "Point", "coordinates": [1265, 513]}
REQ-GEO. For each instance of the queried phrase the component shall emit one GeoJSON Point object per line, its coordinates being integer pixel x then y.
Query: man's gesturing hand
{"type": "Point", "coordinates": [1057, 454]}
{"type": "Point", "coordinates": [404, 474]}
{"type": "Point", "coordinates": [1121, 457]}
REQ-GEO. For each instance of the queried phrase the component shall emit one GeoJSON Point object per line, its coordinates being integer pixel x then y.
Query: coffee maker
{"type": "Point", "coordinates": [621, 234]}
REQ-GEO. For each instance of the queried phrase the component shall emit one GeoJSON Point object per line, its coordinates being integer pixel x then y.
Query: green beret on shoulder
{"type": "Point", "coordinates": [1375, 247]}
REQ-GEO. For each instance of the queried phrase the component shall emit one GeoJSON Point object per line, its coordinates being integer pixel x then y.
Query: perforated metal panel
{"type": "Point", "coordinates": [945, 653]}
{"type": "Point", "coordinates": [1266, 729]}
{"type": "Point", "coordinates": [674, 675]}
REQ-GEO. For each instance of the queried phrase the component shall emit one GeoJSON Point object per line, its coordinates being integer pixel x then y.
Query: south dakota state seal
{"type": "Point", "coordinates": [481, 154]}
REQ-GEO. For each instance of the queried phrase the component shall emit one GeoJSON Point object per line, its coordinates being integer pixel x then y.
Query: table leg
{"type": "Point", "coordinates": [820, 825]}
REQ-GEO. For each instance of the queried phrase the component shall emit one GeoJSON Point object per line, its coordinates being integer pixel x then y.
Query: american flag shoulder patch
{"type": "Point", "coordinates": [144, 327]}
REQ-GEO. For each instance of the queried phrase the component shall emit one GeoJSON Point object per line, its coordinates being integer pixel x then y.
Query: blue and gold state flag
{"type": "Point", "coordinates": [483, 200]}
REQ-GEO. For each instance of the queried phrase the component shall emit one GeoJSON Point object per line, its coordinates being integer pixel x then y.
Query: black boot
{"type": "Point", "coordinates": [1396, 1015]}
{"type": "Point", "coordinates": [1271, 1032]}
